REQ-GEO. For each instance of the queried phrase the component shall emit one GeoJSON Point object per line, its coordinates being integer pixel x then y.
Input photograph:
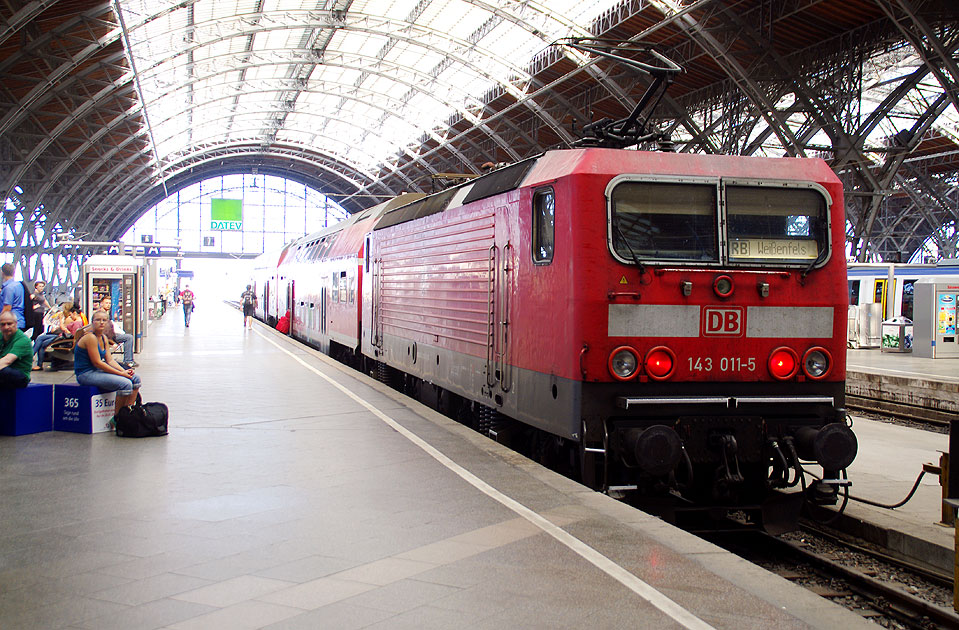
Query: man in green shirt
{"type": "Point", "coordinates": [16, 353]}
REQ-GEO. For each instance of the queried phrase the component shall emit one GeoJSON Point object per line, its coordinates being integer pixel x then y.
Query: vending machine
{"type": "Point", "coordinates": [122, 279]}
{"type": "Point", "coordinates": [936, 310]}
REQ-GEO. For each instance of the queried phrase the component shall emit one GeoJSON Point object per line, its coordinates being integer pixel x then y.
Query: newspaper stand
{"type": "Point", "coordinates": [121, 278]}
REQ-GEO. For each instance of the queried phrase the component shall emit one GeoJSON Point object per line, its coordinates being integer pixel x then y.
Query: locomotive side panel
{"type": "Point", "coordinates": [431, 297]}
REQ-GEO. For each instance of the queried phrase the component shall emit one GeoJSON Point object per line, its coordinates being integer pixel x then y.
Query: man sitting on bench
{"type": "Point", "coordinates": [16, 353]}
{"type": "Point", "coordinates": [119, 338]}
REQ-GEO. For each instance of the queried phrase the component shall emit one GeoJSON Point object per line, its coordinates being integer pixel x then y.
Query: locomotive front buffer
{"type": "Point", "coordinates": [729, 450]}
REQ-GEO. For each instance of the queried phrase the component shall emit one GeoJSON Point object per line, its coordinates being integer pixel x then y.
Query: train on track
{"type": "Point", "coordinates": [893, 285]}
{"type": "Point", "coordinates": [665, 325]}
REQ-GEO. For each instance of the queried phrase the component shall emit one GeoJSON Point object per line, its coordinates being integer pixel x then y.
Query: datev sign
{"type": "Point", "coordinates": [226, 214]}
{"type": "Point", "coordinates": [723, 321]}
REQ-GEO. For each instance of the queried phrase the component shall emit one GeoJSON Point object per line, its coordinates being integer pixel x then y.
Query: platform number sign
{"type": "Point", "coordinates": [226, 214]}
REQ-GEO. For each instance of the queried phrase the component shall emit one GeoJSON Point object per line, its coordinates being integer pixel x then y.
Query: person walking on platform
{"type": "Point", "coordinates": [187, 297]}
{"type": "Point", "coordinates": [12, 294]}
{"type": "Point", "coordinates": [94, 366]}
{"type": "Point", "coordinates": [16, 354]}
{"type": "Point", "coordinates": [248, 298]}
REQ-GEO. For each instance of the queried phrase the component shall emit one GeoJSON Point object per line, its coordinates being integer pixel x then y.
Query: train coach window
{"type": "Point", "coordinates": [664, 221]}
{"type": "Point", "coordinates": [544, 226]}
{"type": "Point", "coordinates": [776, 224]}
{"type": "Point", "coordinates": [335, 293]}
{"type": "Point", "coordinates": [908, 297]}
{"type": "Point", "coordinates": [854, 292]}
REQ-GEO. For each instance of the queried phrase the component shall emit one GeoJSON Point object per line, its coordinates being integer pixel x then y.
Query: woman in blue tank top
{"type": "Point", "coordinates": [94, 366]}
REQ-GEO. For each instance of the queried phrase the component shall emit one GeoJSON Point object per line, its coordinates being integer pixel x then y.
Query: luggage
{"type": "Point", "coordinates": [142, 419]}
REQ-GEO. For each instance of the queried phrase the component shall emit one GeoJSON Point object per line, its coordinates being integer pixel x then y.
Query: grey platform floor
{"type": "Point", "coordinates": [294, 493]}
{"type": "Point", "coordinates": [903, 364]}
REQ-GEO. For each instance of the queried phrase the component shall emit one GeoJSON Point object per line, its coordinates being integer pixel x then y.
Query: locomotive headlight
{"type": "Point", "coordinates": [783, 363]}
{"type": "Point", "coordinates": [659, 363]}
{"type": "Point", "coordinates": [623, 363]}
{"type": "Point", "coordinates": [815, 363]}
{"type": "Point", "coordinates": [723, 286]}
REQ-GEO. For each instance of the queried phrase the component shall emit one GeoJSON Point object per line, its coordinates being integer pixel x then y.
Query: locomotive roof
{"type": "Point", "coordinates": [494, 183]}
{"type": "Point", "coordinates": [554, 164]}
{"type": "Point", "coordinates": [338, 239]}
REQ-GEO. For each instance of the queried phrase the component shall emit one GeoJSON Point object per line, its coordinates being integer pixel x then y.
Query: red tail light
{"type": "Point", "coordinates": [783, 363]}
{"type": "Point", "coordinates": [659, 363]}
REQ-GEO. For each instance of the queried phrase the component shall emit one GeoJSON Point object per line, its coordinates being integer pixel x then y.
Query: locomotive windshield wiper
{"type": "Point", "coordinates": [815, 262]}
{"type": "Point", "coordinates": [632, 254]}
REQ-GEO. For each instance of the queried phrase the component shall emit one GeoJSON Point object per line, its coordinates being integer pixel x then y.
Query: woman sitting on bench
{"type": "Point", "coordinates": [62, 326]}
{"type": "Point", "coordinates": [95, 366]}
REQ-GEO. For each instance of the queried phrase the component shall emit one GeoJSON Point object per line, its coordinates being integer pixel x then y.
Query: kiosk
{"type": "Point", "coordinates": [936, 318]}
{"type": "Point", "coordinates": [123, 279]}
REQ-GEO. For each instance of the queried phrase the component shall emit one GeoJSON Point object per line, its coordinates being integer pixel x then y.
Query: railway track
{"type": "Point", "coordinates": [924, 417]}
{"type": "Point", "coordinates": [852, 583]}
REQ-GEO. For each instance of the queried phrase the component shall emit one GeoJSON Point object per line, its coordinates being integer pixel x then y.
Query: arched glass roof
{"type": "Point", "coordinates": [356, 80]}
{"type": "Point", "coordinates": [109, 106]}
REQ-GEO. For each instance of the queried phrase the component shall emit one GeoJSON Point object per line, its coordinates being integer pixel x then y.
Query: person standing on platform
{"type": "Point", "coordinates": [187, 297]}
{"type": "Point", "coordinates": [121, 338]}
{"type": "Point", "coordinates": [40, 307]}
{"type": "Point", "coordinates": [16, 354]}
{"type": "Point", "coordinates": [248, 298]}
{"type": "Point", "coordinates": [11, 295]}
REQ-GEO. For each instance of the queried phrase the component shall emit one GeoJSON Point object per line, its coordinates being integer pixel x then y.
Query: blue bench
{"type": "Point", "coordinates": [26, 410]}
{"type": "Point", "coordinates": [82, 409]}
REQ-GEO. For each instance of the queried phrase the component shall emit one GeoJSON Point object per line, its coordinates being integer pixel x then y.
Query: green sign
{"type": "Point", "coordinates": [226, 214]}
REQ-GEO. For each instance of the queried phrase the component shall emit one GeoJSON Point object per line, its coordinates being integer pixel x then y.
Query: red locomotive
{"type": "Point", "coordinates": [674, 324]}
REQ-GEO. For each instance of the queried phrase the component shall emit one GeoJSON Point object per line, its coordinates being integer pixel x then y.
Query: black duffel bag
{"type": "Point", "coordinates": [142, 420]}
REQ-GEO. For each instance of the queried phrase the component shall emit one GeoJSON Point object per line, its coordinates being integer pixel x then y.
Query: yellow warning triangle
{"type": "Point", "coordinates": [623, 280]}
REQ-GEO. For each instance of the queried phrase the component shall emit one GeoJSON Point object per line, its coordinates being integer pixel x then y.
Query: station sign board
{"type": "Point", "coordinates": [104, 268]}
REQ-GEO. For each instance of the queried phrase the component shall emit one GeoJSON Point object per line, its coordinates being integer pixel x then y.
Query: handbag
{"type": "Point", "coordinates": [142, 419]}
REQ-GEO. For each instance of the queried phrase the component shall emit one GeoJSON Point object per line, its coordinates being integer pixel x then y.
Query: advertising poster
{"type": "Point", "coordinates": [946, 314]}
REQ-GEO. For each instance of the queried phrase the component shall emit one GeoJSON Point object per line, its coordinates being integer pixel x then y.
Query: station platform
{"type": "Point", "coordinates": [889, 461]}
{"type": "Point", "coordinates": [901, 383]}
{"type": "Point", "coordinates": [293, 492]}
{"type": "Point", "coordinates": [891, 456]}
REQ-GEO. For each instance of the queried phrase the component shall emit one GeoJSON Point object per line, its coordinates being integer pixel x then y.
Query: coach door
{"type": "Point", "coordinates": [376, 330]}
{"type": "Point", "coordinates": [323, 294]}
{"type": "Point", "coordinates": [291, 303]}
{"type": "Point", "coordinates": [501, 278]}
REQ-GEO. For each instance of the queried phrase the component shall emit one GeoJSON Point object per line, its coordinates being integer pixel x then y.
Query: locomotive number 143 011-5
{"type": "Point", "coordinates": [722, 364]}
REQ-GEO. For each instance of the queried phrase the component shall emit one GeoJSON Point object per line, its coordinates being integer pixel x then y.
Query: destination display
{"type": "Point", "coordinates": [774, 249]}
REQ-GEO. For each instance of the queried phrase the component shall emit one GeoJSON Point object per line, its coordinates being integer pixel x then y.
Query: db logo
{"type": "Point", "coordinates": [723, 321]}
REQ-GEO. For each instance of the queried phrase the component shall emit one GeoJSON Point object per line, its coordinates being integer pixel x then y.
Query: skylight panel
{"type": "Point", "coordinates": [415, 57]}
{"type": "Point", "coordinates": [244, 94]}
{"type": "Point", "coordinates": [366, 44]}
{"type": "Point", "coordinates": [463, 23]}
{"type": "Point", "coordinates": [397, 9]}
{"type": "Point", "coordinates": [279, 39]}
{"type": "Point", "coordinates": [517, 45]}
{"type": "Point", "coordinates": [266, 72]}
{"type": "Point", "coordinates": [289, 5]}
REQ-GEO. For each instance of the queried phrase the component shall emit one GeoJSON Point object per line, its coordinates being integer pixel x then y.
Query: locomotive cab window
{"type": "Point", "coordinates": [776, 224]}
{"type": "Point", "coordinates": [544, 226]}
{"type": "Point", "coordinates": [671, 221]}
